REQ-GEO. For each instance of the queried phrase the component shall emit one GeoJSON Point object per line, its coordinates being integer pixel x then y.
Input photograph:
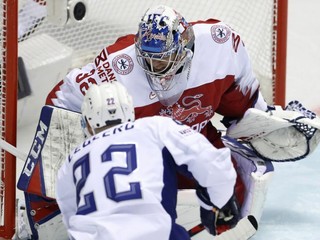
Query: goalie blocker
{"type": "Point", "coordinates": [60, 130]}
{"type": "Point", "coordinates": [57, 133]}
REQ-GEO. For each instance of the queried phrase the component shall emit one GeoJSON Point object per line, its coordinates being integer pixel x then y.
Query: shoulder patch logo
{"type": "Point", "coordinates": [122, 64]}
{"type": "Point", "coordinates": [220, 33]}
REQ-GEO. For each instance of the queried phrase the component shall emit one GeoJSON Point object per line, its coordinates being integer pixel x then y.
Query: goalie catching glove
{"type": "Point", "coordinates": [211, 216]}
{"type": "Point", "coordinates": [279, 135]}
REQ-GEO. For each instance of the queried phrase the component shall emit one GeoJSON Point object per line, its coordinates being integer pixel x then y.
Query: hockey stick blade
{"type": "Point", "coordinates": [244, 230]}
{"type": "Point", "coordinates": [196, 229]}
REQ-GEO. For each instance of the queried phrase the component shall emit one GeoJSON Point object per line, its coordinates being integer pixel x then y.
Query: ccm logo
{"type": "Point", "coordinates": [36, 148]}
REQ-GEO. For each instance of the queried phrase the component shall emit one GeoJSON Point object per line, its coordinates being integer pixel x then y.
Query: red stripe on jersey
{"type": "Point", "coordinates": [52, 94]}
{"type": "Point", "coordinates": [208, 21]}
{"type": "Point", "coordinates": [121, 43]}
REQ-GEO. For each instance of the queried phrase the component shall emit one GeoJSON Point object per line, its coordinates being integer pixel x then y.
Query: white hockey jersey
{"type": "Point", "coordinates": [121, 183]}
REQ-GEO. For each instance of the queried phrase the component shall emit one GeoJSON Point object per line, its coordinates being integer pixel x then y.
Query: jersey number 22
{"type": "Point", "coordinates": [83, 163]}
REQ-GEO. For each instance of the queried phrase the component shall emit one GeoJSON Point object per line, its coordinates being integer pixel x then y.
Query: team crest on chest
{"type": "Point", "coordinates": [220, 33]}
{"type": "Point", "coordinates": [122, 64]}
{"type": "Point", "coordinates": [189, 109]}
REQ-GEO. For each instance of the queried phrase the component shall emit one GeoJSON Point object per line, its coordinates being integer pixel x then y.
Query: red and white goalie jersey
{"type": "Point", "coordinates": [221, 80]}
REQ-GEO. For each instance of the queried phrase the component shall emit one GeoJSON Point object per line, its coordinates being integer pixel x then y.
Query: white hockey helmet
{"type": "Point", "coordinates": [107, 104]}
{"type": "Point", "coordinates": [163, 46]}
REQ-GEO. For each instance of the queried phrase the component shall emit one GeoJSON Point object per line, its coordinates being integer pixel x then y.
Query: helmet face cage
{"type": "Point", "coordinates": [162, 46]}
{"type": "Point", "coordinates": [170, 86]}
{"type": "Point", "coordinates": [168, 61]}
{"type": "Point", "coordinates": [107, 104]}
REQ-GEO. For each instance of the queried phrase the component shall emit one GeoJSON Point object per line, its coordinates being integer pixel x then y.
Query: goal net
{"type": "Point", "coordinates": [261, 23]}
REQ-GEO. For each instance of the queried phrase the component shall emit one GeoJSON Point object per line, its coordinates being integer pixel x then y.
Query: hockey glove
{"type": "Point", "coordinates": [208, 212]}
{"type": "Point", "coordinates": [209, 219]}
{"type": "Point", "coordinates": [230, 213]}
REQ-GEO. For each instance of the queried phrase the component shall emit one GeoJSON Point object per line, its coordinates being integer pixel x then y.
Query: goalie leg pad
{"type": "Point", "coordinates": [44, 218]}
{"type": "Point", "coordinates": [256, 175]}
{"type": "Point", "coordinates": [53, 229]}
{"type": "Point", "coordinates": [256, 195]}
{"type": "Point", "coordinates": [58, 132]}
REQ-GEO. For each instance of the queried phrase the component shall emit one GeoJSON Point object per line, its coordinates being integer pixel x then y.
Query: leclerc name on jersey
{"type": "Point", "coordinates": [106, 133]}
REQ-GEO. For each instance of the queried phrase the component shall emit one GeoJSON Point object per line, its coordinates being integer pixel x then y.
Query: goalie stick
{"type": "Point", "coordinates": [13, 150]}
{"type": "Point", "coordinates": [244, 230]}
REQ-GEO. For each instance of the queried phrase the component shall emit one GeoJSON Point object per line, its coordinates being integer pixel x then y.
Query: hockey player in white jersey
{"type": "Point", "coordinates": [121, 183]}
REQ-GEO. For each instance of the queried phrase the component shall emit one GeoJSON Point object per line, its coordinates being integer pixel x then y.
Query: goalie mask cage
{"type": "Point", "coordinates": [261, 23]}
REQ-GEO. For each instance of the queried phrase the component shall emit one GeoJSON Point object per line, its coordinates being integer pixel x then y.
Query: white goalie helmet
{"type": "Point", "coordinates": [163, 46]}
{"type": "Point", "coordinates": [107, 104]}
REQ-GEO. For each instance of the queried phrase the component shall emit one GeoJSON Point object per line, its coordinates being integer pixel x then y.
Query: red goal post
{"type": "Point", "coordinates": [261, 23]}
{"type": "Point", "coordinates": [8, 112]}
{"type": "Point", "coordinates": [280, 52]}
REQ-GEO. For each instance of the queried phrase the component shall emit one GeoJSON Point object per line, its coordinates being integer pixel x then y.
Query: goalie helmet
{"type": "Point", "coordinates": [163, 47]}
{"type": "Point", "coordinates": [107, 104]}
